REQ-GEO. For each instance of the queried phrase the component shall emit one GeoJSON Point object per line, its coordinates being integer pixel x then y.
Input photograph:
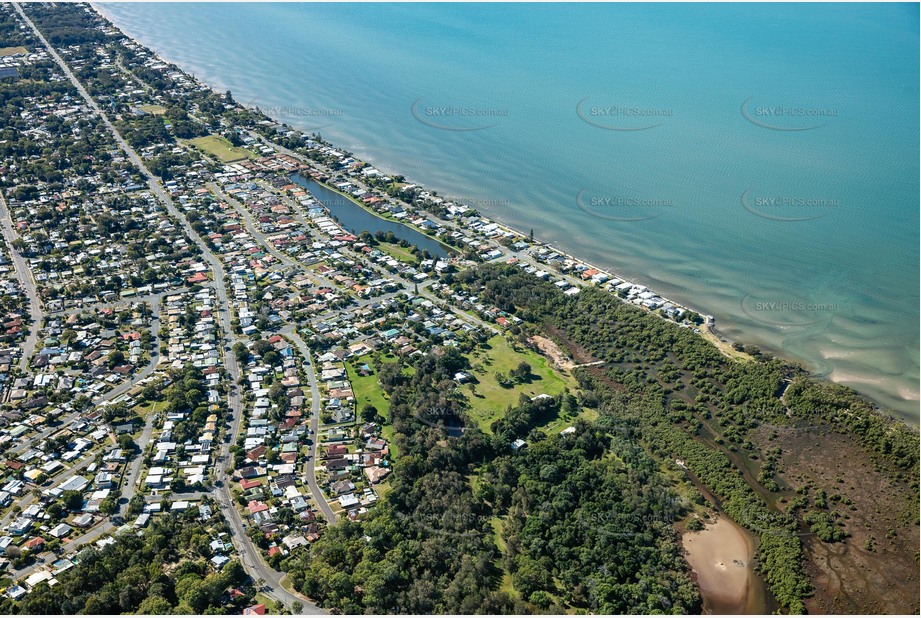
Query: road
{"type": "Point", "coordinates": [115, 392]}
{"type": "Point", "coordinates": [252, 559]}
{"type": "Point", "coordinates": [26, 282]}
{"type": "Point", "coordinates": [422, 291]}
{"type": "Point", "coordinates": [290, 332]}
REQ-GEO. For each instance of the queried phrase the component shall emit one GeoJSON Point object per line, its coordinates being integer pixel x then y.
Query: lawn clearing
{"type": "Point", "coordinates": [387, 434]}
{"type": "Point", "coordinates": [401, 254]}
{"type": "Point", "coordinates": [488, 401]}
{"type": "Point", "coordinates": [366, 388]}
{"type": "Point", "coordinates": [145, 408]}
{"type": "Point", "coordinates": [154, 110]}
{"type": "Point", "coordinates": [12, 51]}
{"type": "Point", "coordinates": [219, 147]}
{"type": "Point", "coordinates": [562, 422]}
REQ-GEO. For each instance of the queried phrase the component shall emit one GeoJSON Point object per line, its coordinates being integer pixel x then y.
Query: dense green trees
{"type": "Point", "coordinates": [663, 384]}
{"type": "Point", "coordinates": [432, 545]}
{"type": "Point", "coordinates": [128, 576]}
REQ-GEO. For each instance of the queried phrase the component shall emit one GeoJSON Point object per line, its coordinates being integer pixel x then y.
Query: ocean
{"type": "Point", "coordinates": [758, 163]}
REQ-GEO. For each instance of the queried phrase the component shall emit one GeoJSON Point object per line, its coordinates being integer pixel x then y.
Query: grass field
{"type": "Point", "coordinates": [145, 408]}
{"type": "Point", "coordinates": [387, 434]}
{"type": "Point", "coordinates": [489, 401]}
{"type": "Point", "coordinates": [562, 422]}
{"type": "Point", "coordinates": [12, 51]}
{"type": "Point", "coordinates": [366, 388]}
{"type": "Point", "coordinates": [156, 110]}
{"type": "Point", "coordinates": [265, 600]}
{"type": "Point", "coordinates": [219, 147]}
{"type": "Point", "coordinates": [397, 252]}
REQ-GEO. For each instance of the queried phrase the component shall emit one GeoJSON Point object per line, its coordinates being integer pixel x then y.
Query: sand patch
{"type": "Point", "coordinates": [721, 556]}
{"type": "Point", "coordinates": [552, 350]}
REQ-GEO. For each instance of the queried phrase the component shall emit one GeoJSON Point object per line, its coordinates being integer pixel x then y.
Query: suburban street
{"type": "Point", "coordinates": [291, 333]}
{"type": "Point", "coordinates": [250, 555]}
{"type": "Point", "coordinates": [24, 274]}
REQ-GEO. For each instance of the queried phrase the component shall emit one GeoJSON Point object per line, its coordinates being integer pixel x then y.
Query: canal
{"type": "Point", "coordinates": [357, 220]}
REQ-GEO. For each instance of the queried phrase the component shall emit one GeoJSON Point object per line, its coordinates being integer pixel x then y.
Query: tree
{"type": "Point", "coordinates": [135, 505]}
{"type": "Point", "coordinates": [241, 352]}
{"type": "Point", "coordinates": [541, 598]}
{"type": "Point", "coordinates": [369, 413]}
{"type": "Point", "coordinates": [155, 606]}
{"type": "Point", "coordinates": [73, 500]}
{"type": "Point", "coordinates": [261, 347]}
{"type": "Point", "coordinates": [109, 506]}
{"type": "Point", "coordinates": [126, 442]}
{"type": "Point", "coordinates": [521, 373]}
{"type": "Point", "coordinates": [272, 358]}
{"type": "Point", "coordinates": [115, 358]}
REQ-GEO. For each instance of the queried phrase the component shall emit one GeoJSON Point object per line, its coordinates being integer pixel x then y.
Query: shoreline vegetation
{"type": "Point", "coordinates": [585, 519]}
{"type": "Point", "coordinates": [718, 339]}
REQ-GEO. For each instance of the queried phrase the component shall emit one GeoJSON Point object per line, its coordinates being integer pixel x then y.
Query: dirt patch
{"type": "Point", "coordinates": [579, 354]}
{"type": "Point", "coordinates": [874, 570]}
{"type": "Point", "coordinates": [551, 349]}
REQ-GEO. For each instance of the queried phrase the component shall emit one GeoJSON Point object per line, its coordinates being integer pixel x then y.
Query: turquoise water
{"type": "Point", "coordinates": [804, 242]}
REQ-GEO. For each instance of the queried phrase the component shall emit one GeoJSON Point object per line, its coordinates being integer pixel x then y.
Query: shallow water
{"type": "Point", "coordinates": [697, 207]}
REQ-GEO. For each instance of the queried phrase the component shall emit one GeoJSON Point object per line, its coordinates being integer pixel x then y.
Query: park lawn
{"type": "Point", "coordinates": [562, 422]}
{"type": "Point", "coordinates": [12, 51]}
{"type": "Point", "coordinates": [496, 522]}
{"type": "Point", "coordinates": [489, 400]}
{"type": "Point", "coordinates": [508, 587]}
{"type": "Point", "coordinates": [145, 408]}
{"type": "Point", "coordinates": [366, 389]}
{"type": "Point", "coordinates": [397, 252]}
{"type": "Point", "coordinates": [154, 110]}
{"type": "Point", "coordinates": [221, 148]}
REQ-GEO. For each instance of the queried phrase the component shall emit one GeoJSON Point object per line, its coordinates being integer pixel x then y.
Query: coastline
{"type": "Point", "coordinates": [812, 371]}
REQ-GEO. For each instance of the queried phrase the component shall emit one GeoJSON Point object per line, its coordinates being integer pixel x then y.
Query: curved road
{"type": "Point", "coordinates": [291, 333]}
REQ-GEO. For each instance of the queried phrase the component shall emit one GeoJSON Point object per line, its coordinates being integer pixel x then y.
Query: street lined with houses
{"type": "Point", "coordinates": [203, 335]}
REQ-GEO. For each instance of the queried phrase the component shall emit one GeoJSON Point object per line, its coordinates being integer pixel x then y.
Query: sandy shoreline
{"type": "Point", "coordinates": [721, 556]}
